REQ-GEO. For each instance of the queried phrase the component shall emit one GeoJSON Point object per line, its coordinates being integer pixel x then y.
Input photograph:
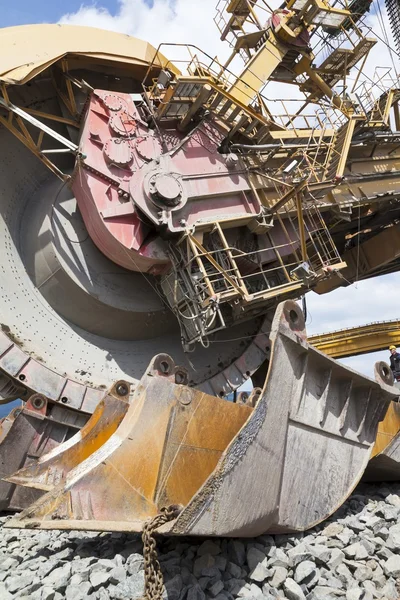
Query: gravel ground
{"type": "Point", "coordinates": [355, 555]}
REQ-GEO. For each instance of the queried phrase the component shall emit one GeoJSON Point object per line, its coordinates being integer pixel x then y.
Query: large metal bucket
{"type": "Point", "coordinates": [284, 465]}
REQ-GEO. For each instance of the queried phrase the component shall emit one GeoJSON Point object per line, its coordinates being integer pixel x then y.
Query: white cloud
{"type": "Point", "coordinates": [179, 21]}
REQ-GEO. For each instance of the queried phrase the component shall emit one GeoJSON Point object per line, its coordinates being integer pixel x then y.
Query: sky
{"type": "Point", "coordinates": [192, 21]}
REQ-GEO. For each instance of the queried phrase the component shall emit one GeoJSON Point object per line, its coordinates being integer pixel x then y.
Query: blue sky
{"type": "Point", "coordinates": [24, 12]}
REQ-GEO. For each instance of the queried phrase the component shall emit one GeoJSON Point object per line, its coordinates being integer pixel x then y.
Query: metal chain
{"type": "Point", "coordinates": [153, 577]}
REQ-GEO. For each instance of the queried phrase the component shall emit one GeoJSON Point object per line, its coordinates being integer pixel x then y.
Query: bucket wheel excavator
{"type": "Point", "coordinates": [159, 218]}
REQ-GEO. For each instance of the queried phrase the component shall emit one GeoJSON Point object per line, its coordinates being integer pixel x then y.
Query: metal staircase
{"type": "Point", "coordinates": [339, 62]}
{"type": "Point", "coordinates": [232, 14]}
{"type": "Point", "coordinates": [339, 150]}
{"type": "Point", "coordinates": [184, 97]}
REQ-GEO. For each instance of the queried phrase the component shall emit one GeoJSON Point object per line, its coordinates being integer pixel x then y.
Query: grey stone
{"type": "Point", "coordinates": [368, 545]}
{"type": "Point", "coordinates": [390, 513]}
{"type": "Point", "coordinates": [209, 547]}
{"type": "Point", "coordinates": [29, 591]}
{"type": "Point", "coordinates": [354, 524]}
{"type": "Point", "coordinates": [355, 593]}
{"type": "Point", "coordinates": [334, 582]}
{"type": "Point", "coordinates": [211, 572]}
{"type": "Point", "coordinates": [279, 575]}
{"type": "Point", "coordinates": [392, 566]}
{"type": "Point", "coordinates": [384, 553]}
{"type": "Point", "coordinates": [254, 557]}
{"type": "Point", "coordinates": [4, 593]}
{"type": "Point", "coordinates": [46, 568]}
{"type": "Point", "coordinates": [259, 573]}
{"type": "Point", "coordinates": [344, 574]}
{"type": "Point", "coordinates": [221, 562]}
{"type": "Point", "coordinates": [298, 553]}
{"type": "Point", "coordinates": [237, 552]}
{"type": "Point", "coordinates": [82, 564]}
{"type": "Point", "coordinates": [19, 582]}
{"type": "Point", "coordinates": [362, 573]}
{"type": "Point", "coordinates": [8, 563]}
{"type": "Point", "coordinates": [234, 586]}
{"type": "Point", "coordinates": [215, 589]}
{"type": "Point", "coordinates": [58, 578]}
{"type": "Point", "coordinates": [79, 578]}
{"type": "Point", "coordinates": [389, 591]}
{"type": "Point", "coordinates": [117, 575]}
{"type": "Point", "coordinates": [393, 499]}
{"type": "Point", "coordinates": [345, 536]}
{"type": "Point", "coordinates": [131, 588]}
{"type": "Point", "coordinates": [371, 588]}
{"type": "Point", "coordinates": [234, 570]}
{"type": "Point", "coordinates": [333, 529]}
{"type": "Point", "coordinates": [203, 562]}
{"type": "Point", "coordinates": [375, 523]}
{"type": "Point", "coordinates": [64, 554]}
{"type": "Point", "coordinates": [99, 579]}
{"type": "Point", "coordinates": [379, 579]}
{"type": "Point", "coordinates": [255, 591]}
{"type": "Point", "coordinates": [173, 587]}
{"type": "Point", "coordinates": [119, 560]}
{"type": "Point", "coordinates": [279, 559]}
{"type": "Point", "coordinates": [324, 592]}
{"type": "Point", "coordinates": [321, 553]}
{"type": "Point", "coordinates": [384, 533]}
{"type": "Point", "coordinates": [195, 593]}
{"type": "Point", "coordinates": [78, 592]}
{"type": "Point", "coordinates": [304, 570]}
{"type": "Point", "coordinates": [336, 558]}
{"type": "Point", "coordinates": [311, 581]}
{"type": "Point", "coordinates": [292, 590]}
{"type": "Point", "coordinates": [104, 564]}
{"type": "Point", "coordinates": [356, 550]}
{"type": "Point", "coordinates": [203, 583]}
{"type": "Point", "coordinates": [47, 593]}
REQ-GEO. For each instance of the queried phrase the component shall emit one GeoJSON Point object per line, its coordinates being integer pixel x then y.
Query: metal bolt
{"type": "Point", "coordinates": [122, 389]}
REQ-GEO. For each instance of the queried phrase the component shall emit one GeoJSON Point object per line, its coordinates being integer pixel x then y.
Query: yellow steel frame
{"type": "Point", "coordinates": [358, 340]}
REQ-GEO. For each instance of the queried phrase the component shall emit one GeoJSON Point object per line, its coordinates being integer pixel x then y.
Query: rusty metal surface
{"type": "Point", "coordinates": [385, 466]}
{"type": "Point", "coordinates": [385, 462]}
{"type": "Point", "coordinates": [36, 429]}
{"type": "Point", "coordinates": [51, 468]}
{"type": "Point", "coordinates": [298, 454]}
{"type": "Point", "coordinates": [164, 450]}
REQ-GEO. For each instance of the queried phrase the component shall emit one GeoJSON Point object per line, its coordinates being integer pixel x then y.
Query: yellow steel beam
{"type": "Point", "coordinates": [358, 340]}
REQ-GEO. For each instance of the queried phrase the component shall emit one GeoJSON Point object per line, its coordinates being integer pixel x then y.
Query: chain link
{"type": "Point", "coordinates": [153, 577]}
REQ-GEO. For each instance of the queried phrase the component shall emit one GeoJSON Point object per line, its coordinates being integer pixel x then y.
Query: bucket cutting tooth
{"type": "Point", "coordinates": [50, 469]}
{"type": "Point", "coordinates": [237, 470]}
